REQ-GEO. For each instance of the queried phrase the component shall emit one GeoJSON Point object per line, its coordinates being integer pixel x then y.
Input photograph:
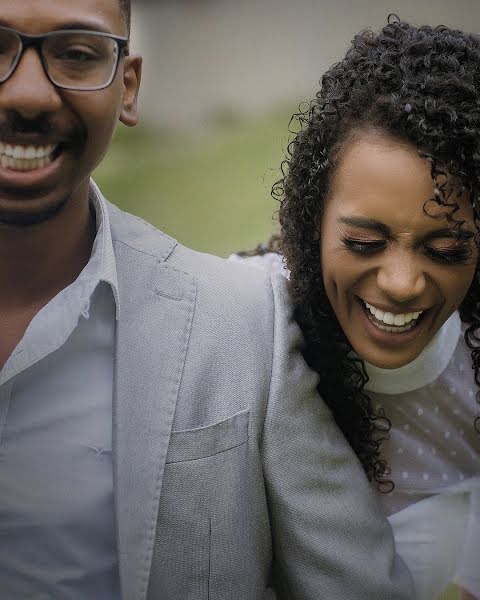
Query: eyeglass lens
{"type": "Point", "coordinates": [9, 45]}
{"type": "Point", "coordinates": [72, 60]}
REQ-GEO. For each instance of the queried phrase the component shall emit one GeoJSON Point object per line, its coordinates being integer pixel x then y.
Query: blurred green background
{"type": "Point", "coordinates": [210, 191]}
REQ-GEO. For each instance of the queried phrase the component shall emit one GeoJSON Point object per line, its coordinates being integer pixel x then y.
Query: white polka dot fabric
{"type": "Point", "coordinates": [433, 443]}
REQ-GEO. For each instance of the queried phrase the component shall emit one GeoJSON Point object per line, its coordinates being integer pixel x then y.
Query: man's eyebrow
{"type": "Point", "coordinates": [80, 25]}
{"type": "Point", "coordinates": [364, 223]}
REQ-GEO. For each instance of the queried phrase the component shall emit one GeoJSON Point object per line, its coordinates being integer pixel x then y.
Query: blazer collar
{"type": "Point", "coordinates": [151, 344]}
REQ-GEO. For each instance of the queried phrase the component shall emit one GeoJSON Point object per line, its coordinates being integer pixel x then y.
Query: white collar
{"type": "Point", "coordinates": [429, 365]}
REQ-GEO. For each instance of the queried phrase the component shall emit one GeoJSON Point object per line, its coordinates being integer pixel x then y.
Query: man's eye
{"type": "Point", "coordinates": [77, 55]}
{"type": "Point", "coordinates": [363, 247]}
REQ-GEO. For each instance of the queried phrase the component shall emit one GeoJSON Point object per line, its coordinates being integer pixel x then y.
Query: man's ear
{"type": "Point", "coordinates": [132, 74]}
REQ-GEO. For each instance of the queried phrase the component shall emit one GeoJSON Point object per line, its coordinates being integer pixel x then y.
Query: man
{"type": "Point", "coordinates": [160, 434]}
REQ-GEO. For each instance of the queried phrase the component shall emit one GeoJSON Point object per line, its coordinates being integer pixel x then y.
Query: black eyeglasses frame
{"type": "Point", "coordinates": [35, 41]}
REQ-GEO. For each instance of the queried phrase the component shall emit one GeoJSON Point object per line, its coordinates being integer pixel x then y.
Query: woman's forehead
{"type": "Point", "coordinates": [386, 179]}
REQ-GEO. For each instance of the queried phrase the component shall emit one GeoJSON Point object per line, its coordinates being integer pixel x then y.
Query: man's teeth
{"type": "Point", "coordinates": [25, 158]}
{"type": "Point", "coordinates": [399, 320]}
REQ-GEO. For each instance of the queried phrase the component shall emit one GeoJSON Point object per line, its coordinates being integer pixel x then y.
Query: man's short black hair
{"type": "Point", "coordinates": [125, 6]}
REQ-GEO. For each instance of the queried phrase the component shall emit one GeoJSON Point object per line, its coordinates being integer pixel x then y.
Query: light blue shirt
{"type": "Point", "coordinates": [57, 532]}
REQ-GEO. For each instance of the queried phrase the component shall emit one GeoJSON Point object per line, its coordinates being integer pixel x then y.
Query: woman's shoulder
{"type": "Point", "coordinates": [270, 261]}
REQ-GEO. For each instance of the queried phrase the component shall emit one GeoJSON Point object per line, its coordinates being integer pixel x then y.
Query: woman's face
{"type": "Point", "coordinates": [392, 274]}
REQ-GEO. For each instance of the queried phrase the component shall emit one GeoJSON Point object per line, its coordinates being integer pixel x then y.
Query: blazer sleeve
{"type": "Point", "coordinates": [330, 539]}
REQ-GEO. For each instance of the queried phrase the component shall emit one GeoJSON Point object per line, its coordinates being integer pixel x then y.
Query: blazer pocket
{"type": "Point", "coordinates": [194, 444]}
{"type": "Point", "coordinates": [207, 486]}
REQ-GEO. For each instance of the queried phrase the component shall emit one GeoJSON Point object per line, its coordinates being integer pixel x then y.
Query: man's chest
{"type": "Point", "coordinates": [56, 493]}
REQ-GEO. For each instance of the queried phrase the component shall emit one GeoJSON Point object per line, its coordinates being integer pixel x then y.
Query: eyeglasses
{"type": "Point", "coordinates": [73, 59]}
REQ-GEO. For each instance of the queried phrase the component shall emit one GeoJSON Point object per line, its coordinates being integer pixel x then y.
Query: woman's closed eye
{"type": "Point", "coordinates": [450, 254]}
{"type": "Point", "coordinates": [365, 247]}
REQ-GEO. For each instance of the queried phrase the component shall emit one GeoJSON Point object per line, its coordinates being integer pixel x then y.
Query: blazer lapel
{"type": "Point", "coordinates": [156, 312]}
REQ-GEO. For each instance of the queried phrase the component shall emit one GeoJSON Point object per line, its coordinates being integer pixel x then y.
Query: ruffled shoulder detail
{"type": "Point", "coordinates": [271, 262]}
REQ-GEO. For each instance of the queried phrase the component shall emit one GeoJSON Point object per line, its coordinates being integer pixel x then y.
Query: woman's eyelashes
{"type": "Point", "coordinates": [458, 254]}
{"type": "Point", "coordinates": [363, 246]}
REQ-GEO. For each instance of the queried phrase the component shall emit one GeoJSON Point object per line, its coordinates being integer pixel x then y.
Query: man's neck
{"type": "Point", "coordinates": [38, 262]}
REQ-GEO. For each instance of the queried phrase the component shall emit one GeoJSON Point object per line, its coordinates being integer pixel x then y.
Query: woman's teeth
{"type": "Point", "coordinates": [25, 158]}
{"type": "Point", "coordinates": [387, 321]}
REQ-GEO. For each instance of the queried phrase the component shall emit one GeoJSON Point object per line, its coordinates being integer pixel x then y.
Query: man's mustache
{"type": "Point", "coordinates": [42, 127]}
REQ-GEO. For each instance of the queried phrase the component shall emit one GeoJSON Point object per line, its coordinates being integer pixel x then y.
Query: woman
{"type": "Point", "coordinates": [379, 230]}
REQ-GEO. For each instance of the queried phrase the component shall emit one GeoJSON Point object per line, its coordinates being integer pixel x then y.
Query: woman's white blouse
{"type": "Point", "coordinates": [434, 456]}
{"type": "Point", "coordinates": [433, 452]}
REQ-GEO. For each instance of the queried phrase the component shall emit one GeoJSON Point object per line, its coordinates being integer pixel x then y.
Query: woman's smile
{"type": "Point", "coordinates": [390, 328]}
{"type": "Point", "coordinates": [397, 320]}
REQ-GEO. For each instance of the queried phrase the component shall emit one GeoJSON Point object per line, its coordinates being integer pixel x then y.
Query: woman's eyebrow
{"type": "Point", "coordinates": [461, 235]}
{"type": "Point", "coordinates": [364, 223]}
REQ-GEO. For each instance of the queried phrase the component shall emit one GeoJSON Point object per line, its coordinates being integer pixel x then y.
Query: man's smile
{"type": "Point", "coordinates": [31, 170]}
{"type": "Point", "coordinates": [36, 151]}
{"type": "Point", "coordinates": [26, 158]}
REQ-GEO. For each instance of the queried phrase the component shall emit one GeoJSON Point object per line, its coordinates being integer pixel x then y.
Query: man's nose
{"type": "Point", "coordinates": [28, 91]}
{"type": "Point", "coordinates": [401, 278]}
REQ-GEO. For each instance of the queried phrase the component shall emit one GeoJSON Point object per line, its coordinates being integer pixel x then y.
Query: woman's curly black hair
{"type": "Point", "coordinates": [417, 84]}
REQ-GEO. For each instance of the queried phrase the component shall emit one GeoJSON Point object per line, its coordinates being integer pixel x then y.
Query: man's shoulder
{"type": "Point", "coordinates": [214, 276]}
{"type": "Point", "coordinates": [139, 235]}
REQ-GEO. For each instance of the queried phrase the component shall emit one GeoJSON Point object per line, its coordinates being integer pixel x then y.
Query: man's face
{"type": "Point", "coordinates": [72, 128]}
{"type": "Point", "coordinates": [392, 274]}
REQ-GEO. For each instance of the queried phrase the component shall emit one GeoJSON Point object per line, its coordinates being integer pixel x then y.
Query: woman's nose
{"type": "Point", "coordinates": [402, 278]}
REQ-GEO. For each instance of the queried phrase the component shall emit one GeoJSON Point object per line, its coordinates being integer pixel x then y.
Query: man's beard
{"type": "Point", "coordinates": [22, 219]}
{"type": "Point", "coordinates": [72, 137]}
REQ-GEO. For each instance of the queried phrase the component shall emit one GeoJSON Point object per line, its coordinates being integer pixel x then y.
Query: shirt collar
{"type": "Point", "coordinates": [102, 265]}
{"type": "Point", "coordinates": [55, 322]}
{"type": "Point", "coordinates": [429, 365]}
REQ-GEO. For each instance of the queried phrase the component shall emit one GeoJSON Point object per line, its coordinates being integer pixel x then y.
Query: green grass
{"type": "Point", "coordinates": [211, 192]}
{"type": "Point", "coordinates": [451, 593]}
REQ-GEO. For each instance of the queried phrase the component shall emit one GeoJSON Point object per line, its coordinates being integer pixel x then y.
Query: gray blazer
{"type": "Point", "coordinates": [232, 481]}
